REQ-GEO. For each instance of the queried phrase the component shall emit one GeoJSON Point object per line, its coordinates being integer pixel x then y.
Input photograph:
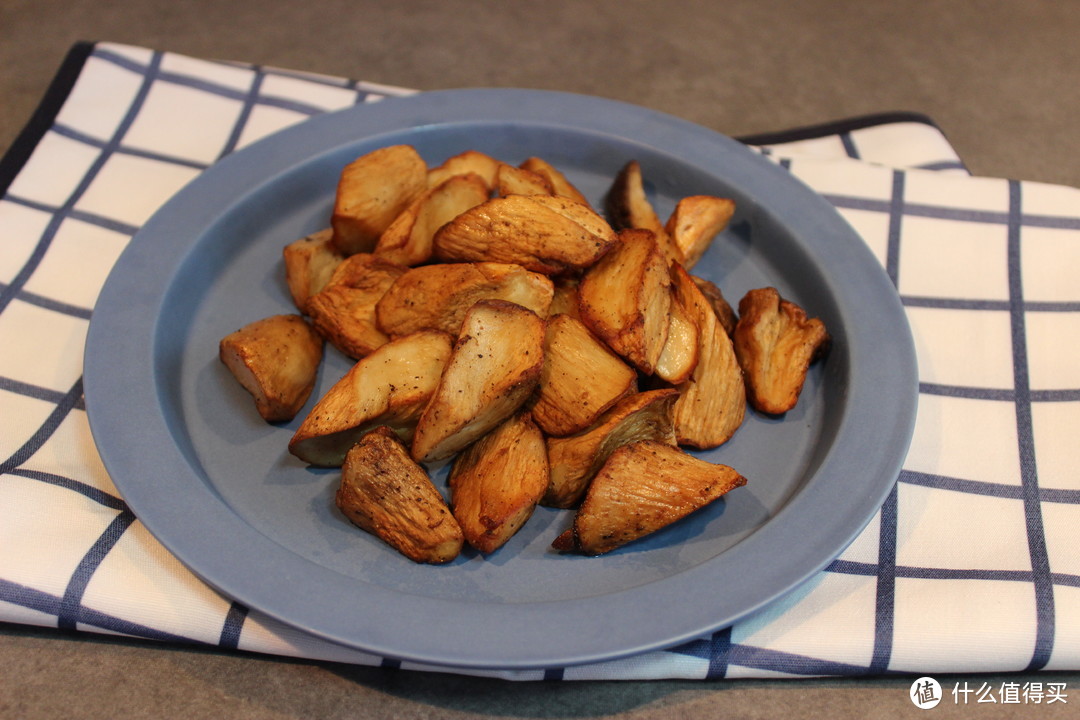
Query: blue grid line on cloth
{"type": "Point", "coordinates": [1040, 559]}
{"type": "Point", "coordinates": [720, 651]}
{"type": "Point", "coordinates": [943, 165]}
{"type": "Point", "coordinates": [912, 301]}
{"type": "Point", "coordinates": [988, 489]}
{"type": "Point", "coordinates": [245, 96]}
{"type": "Point", "coordinates": [71, 605]}
{"type": "Point", "coordinates": [945, 212]}
{"type": "Point", "coordinates": [60, 215]}
{"type": "Point", "coordinates": [36, 391]}
{"type": "Point", "coordinates": [885, 589]}
{"type": "Point", "coordinates": [89, 218]}
{"type": "Point", "coordinates": [927, 573]}
{"type": "Point", "coordinates": [250, 99]}
{"type": "Point", "coordinates": [717, 649]}
{"type": "Point", "coordinates": [760, 658]}
{"type": "Point", "coordinates": [885, 598]}
{"type": "Point", "coordinates": [722, 654]}
{"type": "Point", "coordinates": [88, 491]}
{"type": "Point", "coordinates": [49, 304]}
{"type": "Point", "coordinates": [233, 626]}
{"type": "Point", "coordinates": [971, 393]}
{"type": "Point", "coordinates": [552, 674]}
{"type": "Point", "coordinates": [849, 567]}
{"type": "Point", "coordinates": [896, 217]}
{"type": "Point", "coordinates": [849, 145]}
{"type": "Point", "coordinates": [73, 134]}
{"type": "Point", "coordinates": [68, 401]}
{"type": "Point", "coordinates": [49, 604]}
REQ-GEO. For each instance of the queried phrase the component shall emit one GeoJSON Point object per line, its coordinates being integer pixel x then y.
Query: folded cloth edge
{"type": "Point", "coordinates": [837, 127]}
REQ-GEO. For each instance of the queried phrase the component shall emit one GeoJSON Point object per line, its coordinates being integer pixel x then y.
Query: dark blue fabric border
{"type": "Point", "coordinates": [840, 127]}
{"type": "Point", "coordinates": [43, 118]}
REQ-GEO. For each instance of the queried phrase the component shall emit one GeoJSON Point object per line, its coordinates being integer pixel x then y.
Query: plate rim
{"type": "Point", "coordinates": [284, 150]}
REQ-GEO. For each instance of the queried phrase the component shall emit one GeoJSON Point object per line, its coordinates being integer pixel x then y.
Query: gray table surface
{"type": "Point", "coordinates": [999, 77]}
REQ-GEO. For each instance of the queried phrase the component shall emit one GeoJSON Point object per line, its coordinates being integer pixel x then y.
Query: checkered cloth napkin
{"type": "Point", "coordinates": [972, 564]}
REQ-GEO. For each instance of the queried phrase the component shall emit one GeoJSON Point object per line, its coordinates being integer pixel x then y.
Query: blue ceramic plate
{"type": "Point", "coordinates": [215, 484]}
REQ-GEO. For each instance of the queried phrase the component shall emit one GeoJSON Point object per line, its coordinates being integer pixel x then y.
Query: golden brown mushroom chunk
{"type": "Point", "coordinates": [384, 492]}
{"type": "Point", "coordinates": [712, 403]}
{"type": "Point", "coordinates": [497, 481]}
{"type": "Point", "coordinates": [493, 369]}
{"type": "Point", "coordinates": [309, 263]}
{"type": "Point", "coordinates": [389, 387]}
{"type": "Point", "coordinates": [625, 299]}
{"type": "Point", "coordinates": [581, 378]}
{"type": "Point", "coordinates": [276, 359]}
{"type": "Point", "coordinates": [776, 342]}
{"type": "Point", "coordinates": [643, 487]}
{"type": "Point", "coordinates": [543, 233]}
{"type": "Point", "coordinates": [372, 191]}
{"type": "Point", "coordinates": [575, 460]}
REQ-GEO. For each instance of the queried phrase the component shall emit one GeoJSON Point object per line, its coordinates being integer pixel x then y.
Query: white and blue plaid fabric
{"type": "Point", "coordinates": [972, 564]}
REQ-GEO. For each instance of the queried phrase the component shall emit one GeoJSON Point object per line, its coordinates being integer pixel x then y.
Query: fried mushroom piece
{"type": "Point", "coordinates": [465, 163]}
{"type": "Point", "coordinates": [560, 184]}
{"type": "Point", "coordinates": [511, 180]}
{"type": "Point", "coordinates": [626, 203]}
{"type": "Point", "coordinates": [309, 263]}
{"type": "Point", "coordinates": [719, 303]}
{"type": "Point", "coordinates": [344, 311]}
{"type": "Point", "coordinates": [694, 222]}
{"type": "Point", "coordinates": [565, 299]}
{"type": "Point", "coordinates": [372, 190]}
{"type": "Point", "coordinates": [682, 349]}
{"type": "Point", "coordinates": [712, 402]}
{"type": "Point", "coordinates": [575, 459]}
{"type": "Point", "coordinates": [543, 233]}
{"type": "Point", "coordinates": [581, 379]}
{"type": "Point", "coordinates": [627, 206]}
{"type": "Point", "coordinates": [384, 492]}
{"type": "Point", "coordinates": [776, 342]}
{"type": "Point", "coordinates": [408, 239]}
{"type": "Point", "coordinates": [438, 296]}
{"type": "Point", "coordinates": [644, 486]}
{"type": "Point", "coordinates": [493, 369]}
{"type": "Point", "coordinates": [625, 299]}
{"type": "Point", "coordinates": [496, 482]}
{"type": "Point", "coordinates": [389, 387]}
{"type": "Point", "coordinates": [276, 359]}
